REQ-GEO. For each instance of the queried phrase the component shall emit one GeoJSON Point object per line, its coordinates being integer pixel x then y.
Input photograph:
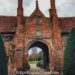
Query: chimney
{"type": "Point", "coordinates": [20, 8]}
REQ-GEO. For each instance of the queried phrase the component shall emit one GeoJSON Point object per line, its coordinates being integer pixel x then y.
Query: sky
{"type": "Point", "coordinates": [64, 7]}
{"type": "Point", "coordinates": [37, 50]}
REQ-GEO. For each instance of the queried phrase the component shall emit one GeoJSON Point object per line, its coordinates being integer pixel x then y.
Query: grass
{"type": "Point", "coordinates": [33, 62]}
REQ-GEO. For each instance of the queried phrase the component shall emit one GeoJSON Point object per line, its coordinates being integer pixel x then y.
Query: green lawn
{"type": "Point", "coordinates": [33, 62]}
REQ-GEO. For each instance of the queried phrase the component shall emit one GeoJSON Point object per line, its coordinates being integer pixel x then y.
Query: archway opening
{"type": "Point", "coordinates": [41, 51]}
{"type": "Point", "coordinates": [35, 58]}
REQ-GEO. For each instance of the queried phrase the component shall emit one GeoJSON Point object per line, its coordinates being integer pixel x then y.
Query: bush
{"type": "Point", "coordinates": [3, 59]}
{"type": "Point", "coordinates": [69, 55]}
{"type": "Point", "coordinates": [40, 64]}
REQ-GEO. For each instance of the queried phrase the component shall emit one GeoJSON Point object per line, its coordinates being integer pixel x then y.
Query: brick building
{"type": "Point", "coordinates": [20, 33]}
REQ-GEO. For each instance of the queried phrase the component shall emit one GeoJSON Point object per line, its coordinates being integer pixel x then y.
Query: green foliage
{"type": "Point", "coordinates": [3, 59]}
{"type": "Point", "coordinates": [40, 64]}
{"type": "Point", "coordinates": [31, 58]}
{"type": "Point", "coordinates": [33, 62]}
{"type": "Point", "coordinates": [69, 55]}
{"type": "Point", "coordinates": [40, 60]}
{"type": "Point", "coordinates": [38, 56]}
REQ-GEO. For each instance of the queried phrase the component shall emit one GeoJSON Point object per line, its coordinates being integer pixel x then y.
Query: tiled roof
{"type": "Point", "coordinates": [66, 23]}
{"type": "Point", "coordinates": [8, 23]}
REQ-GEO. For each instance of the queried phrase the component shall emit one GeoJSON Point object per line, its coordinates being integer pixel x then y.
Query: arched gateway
{"type": "Point", "coordinates": [38, 31]}
{"type": "Point", "coordinates": [45, 50]}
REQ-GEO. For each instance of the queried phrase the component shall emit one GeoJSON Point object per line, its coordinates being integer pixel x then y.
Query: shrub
{"type": "Point", "coordinates": [3, 59]}
{"type": "Point", "coordinates": [69, 55]}
{"type": "Point", "coordinates": [40, 64]}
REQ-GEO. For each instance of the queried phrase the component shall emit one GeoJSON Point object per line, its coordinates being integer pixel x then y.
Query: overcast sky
{"type": "Point", "coordinates": [64, 7]}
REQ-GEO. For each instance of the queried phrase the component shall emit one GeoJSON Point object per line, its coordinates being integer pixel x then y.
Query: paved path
{"type": "Point", "coordinates": [33, 66]}
{"type": "Point", "coordinates": [34, 70]}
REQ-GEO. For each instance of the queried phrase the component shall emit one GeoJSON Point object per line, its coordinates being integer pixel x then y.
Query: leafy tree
{"type": "Point", "coordinates": [32, 58]}
{"type": "Point", "coordinates": [69, 55]}
{"type": "Point", "coordinates": [3, 59]}
{"type": "Point", "coordinates": [40, 55]}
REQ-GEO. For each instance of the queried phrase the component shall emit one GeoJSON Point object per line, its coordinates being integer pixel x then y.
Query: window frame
{"type": "Point", "coordinates": [37, 20]}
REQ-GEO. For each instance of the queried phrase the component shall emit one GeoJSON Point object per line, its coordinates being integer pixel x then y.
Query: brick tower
{"type": "Point", "coordinates": [56, 35]}
{"type": "Point", "coordinates": [19, 37]}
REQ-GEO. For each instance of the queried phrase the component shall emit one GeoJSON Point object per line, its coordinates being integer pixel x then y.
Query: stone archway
{"type": "Point", "coordinates": [45, 50]}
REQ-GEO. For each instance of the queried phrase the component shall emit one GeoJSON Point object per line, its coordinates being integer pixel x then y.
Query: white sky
{"type": "Point", "coordinates": [64, 7]}
{"type": "Point", "coordinates": [37, 50]}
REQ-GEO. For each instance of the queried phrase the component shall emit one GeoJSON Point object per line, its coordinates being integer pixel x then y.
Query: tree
{"type": "Point", "coordinates": [3, 59]}
{"type": "Point", "coordinates": [40, 55]}
{"type": "Point", "coordinates": [69, 55]}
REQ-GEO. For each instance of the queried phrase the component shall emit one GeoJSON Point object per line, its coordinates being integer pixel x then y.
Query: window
{"type": "Point", "coordinates": [7, 38]}
{"type": "Point", "coordinates": [38, 33]}
{"type": "Point", "coordinates": [37, 20]}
